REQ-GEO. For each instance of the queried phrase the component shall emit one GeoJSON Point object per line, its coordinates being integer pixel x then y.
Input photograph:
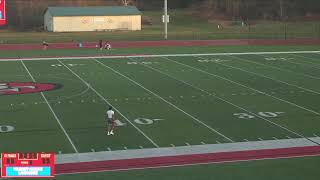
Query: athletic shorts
{"type": "Point", "coordinates": [110, 121]}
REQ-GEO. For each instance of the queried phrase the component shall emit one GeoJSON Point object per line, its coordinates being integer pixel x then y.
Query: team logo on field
{"type": "Point", "coordinates": [13, 88]}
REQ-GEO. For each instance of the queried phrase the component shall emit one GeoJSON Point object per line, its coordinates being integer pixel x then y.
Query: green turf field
{"type": "Point", "coordinates": [164, 101]}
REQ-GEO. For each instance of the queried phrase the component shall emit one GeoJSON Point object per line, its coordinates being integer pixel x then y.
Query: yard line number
{"type": "Point", "coordinates": [211, 60]}
{"type": "Point", "coordinates": [278, 59]}
{"type": "Point", "coordinates": [263, 114]}
{"type": "Point", "coordinates": [144, 62]}
{"type": "Point", "coordinates": [6, 128]}
{"type": "Point", "coordinates": [140, 121]}
{"type": "Point", "coordinates": [72, 65]}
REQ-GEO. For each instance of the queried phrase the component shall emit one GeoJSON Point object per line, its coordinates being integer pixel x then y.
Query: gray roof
{"type": "Point", "coordinates": [94, 11]}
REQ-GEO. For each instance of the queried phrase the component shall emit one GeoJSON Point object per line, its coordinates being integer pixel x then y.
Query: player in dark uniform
{"type": "Point", "coordinates": [100, 44]}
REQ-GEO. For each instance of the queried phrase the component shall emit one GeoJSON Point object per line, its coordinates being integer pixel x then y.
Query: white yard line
{"type": "Point", "coordinates": [264, 76]}
{"type": "Point", "coordinates": [303, 64]}
{"type": "Point", "coordinates": [280, 69]}
{"type": "Point", "coordinates": [161, 55]}
{"type": "Point", "coordinates": [305, 57]}
{"type": "Point", "coordinates": [307, 64]}
{"type": "Point", "coordinates": [297, 63]}
{"type": "Point", "coordinates": [228, 102]}
{"type": "Point", "coordinates": [171, 104]}
{"type": "Point", "coordinates": [105, 100]}
{"type": "Point", "coordinates": [229, 80]}
{"type": "Point", "coordinates": [52, 111]}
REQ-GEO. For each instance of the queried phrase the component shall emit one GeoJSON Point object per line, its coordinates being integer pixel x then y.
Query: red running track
{"type": "Point", "coordinates": [128, 44]}
{"type": "Point", "coordinates": [183, 160]}
{"type": "Point", "coordinates": [154, 162]}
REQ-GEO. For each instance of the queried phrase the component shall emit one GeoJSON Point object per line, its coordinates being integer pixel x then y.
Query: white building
{"type": "Point", "coordinates": [95, 18]}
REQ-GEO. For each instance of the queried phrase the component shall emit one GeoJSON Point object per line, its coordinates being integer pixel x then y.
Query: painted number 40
{"type": "Point", "coordinates": [263, 114]}
{"type": "Point", "coordinates": [141, 121]}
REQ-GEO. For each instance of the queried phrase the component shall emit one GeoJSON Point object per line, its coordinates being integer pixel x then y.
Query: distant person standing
{"type": "Point", "coordinates": [45, 45]}
{"type": "Point", "coordinates": [110, 121]}
{"type": "Point", "coordinates": [100, 44]}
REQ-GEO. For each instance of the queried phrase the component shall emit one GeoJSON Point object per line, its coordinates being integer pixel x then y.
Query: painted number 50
{"type": "Point", "coordinates": [263, 114]}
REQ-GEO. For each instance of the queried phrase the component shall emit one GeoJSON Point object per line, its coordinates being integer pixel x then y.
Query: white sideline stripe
{"type": "Point", "coordinates": [239, 107]}
{"type": "Point", "coordinates": [104, 99]}
{"type": "Point", "coordinates": [280, 69]}
{"type": "Point", "coordinates": [264, 76]}
{"type": "Point", "coordinates": [196, 119]}
{"type": "Point", "coordinates": [52, 111]}
{"type": "Point", "coordinates": [226, 79]}
{"type": "Point", "coordinates": [161, 55]}
{"type": "Point", "coordinates": [183, 150]}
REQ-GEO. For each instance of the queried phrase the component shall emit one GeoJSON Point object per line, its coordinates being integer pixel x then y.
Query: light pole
{"type": "Point", "coordinates": [165, 19]}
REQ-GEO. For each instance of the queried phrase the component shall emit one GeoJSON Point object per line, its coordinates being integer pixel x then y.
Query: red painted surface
{"type": "Point", "coordinates": [181, 160]}
{"type": "Point", "coordinates": [187, 159]}
{"type": "Point", "coordinates": [2, 12]}
{"type": "Point", "coordinates": [128, 44]}
{"type": "Point", "coordinates": [15, 88]}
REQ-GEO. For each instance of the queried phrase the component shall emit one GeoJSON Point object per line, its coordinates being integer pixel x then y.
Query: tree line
{"type": "Point", "coordinates": [28, 14]}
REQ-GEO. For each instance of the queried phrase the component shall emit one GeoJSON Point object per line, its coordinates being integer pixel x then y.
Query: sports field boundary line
{"type": "Point", "coordinates": [155, 55]}
{"type": "Point", "coordinates": [240, 84]}
{"type": "Point", "coordinates": [171, 104]}
{"type": "Point", "coordinates": [105, 100]}
{"type": "Point", "coordinates": [52, 111]}
{"type": "Point", "coordinates": [234, 105]}
{"type": "Point", "coordinates": [264, 76]}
